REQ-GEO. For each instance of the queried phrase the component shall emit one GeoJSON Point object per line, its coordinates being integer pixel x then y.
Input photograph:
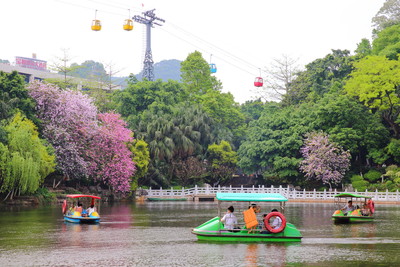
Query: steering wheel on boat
{"type": "Point", "coordinates": [269, 227]}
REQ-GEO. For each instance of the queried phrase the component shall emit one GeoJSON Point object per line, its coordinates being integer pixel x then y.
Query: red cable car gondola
{"type": "Point", "coordinates": [258, 82]}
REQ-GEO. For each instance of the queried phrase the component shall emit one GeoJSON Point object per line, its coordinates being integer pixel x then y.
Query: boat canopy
{"type": "Point", "coordinates": [80, 195]}
{"type": "Point", "coordinates": [252, 197]}
{"type": "Point", "coordinates": [351, 195]}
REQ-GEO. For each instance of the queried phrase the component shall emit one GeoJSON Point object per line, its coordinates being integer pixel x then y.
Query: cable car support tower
{"type": "Point", "coordinates": [149, 19]}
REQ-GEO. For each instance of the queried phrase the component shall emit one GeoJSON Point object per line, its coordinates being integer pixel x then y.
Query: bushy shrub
{"type": "Point", "coordinates": [372, 175]}
{"type": "Point", "coordinates": [359, 183]}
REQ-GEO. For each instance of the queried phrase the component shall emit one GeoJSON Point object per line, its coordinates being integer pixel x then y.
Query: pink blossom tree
{"type": "Point", "coordinates": [110, 157]}
{"type": "Point", "coordinates": [86, 145]}
{"type": "Point", "coordinates": [67, 117]}
{"type": "Point", "coordinates": [324, 160]}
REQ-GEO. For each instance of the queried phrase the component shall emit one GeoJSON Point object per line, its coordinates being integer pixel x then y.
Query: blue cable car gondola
{"type": "Point", "coordinates": [213, 68]}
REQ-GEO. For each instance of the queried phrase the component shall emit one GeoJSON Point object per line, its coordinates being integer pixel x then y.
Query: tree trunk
{"type": "Point", "coordinates": [7, 196]}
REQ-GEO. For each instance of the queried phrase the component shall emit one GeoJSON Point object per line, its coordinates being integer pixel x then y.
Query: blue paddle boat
{"type": "Point", "coordinates": [78, 208]}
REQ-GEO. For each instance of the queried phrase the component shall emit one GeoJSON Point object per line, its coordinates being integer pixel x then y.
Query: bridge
{"type": "Point", "coordinates": [208, 193]}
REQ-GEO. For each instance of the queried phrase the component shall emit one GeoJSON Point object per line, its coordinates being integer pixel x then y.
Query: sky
{"type": "Point", "coordinates": [242, 38]}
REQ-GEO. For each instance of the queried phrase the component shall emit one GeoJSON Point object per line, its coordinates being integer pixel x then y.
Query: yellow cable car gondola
{"type": "Point", "coordinates": [96, 24]}
{"type": "Point", "coordinates": [128, 24]}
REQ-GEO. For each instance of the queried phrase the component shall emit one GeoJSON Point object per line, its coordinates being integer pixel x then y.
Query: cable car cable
{"type": "Point", "coordinates": [228, 54]}
{"type": "Point", "coordinates": [224, 51]}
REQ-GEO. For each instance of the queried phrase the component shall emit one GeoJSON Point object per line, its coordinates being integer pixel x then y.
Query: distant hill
{"type": "Point", "coordinates": [164, 70]}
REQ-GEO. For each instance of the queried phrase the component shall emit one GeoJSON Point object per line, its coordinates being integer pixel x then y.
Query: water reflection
{"type": "Point", "coordinates": [354, 230]}
{"type": "Point", "coordinates": [158, 234]}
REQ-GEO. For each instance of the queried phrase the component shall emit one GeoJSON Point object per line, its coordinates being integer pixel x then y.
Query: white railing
{"type": "Point", "coordinates": [289, 193]}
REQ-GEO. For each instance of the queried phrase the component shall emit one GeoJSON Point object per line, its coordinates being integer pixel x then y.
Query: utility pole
{"type": "Point", "coordinates": [149, 19]}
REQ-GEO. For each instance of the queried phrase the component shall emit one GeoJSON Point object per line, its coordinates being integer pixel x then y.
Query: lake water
{"type": "Point", "coordinates": [159, 234]}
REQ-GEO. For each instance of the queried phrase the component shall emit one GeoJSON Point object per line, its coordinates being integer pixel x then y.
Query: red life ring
{"type": "Point", "coordinates": [268, 226]}
{"type": "Point", "coordinates": [64, 207]}
{"type": "Point", "coordinates": [371, 206]}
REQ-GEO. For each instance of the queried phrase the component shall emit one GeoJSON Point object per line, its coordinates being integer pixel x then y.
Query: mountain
{"type": "Point", "coordinates": [167, 70]}
{"type": "Point", "coordinates": [164, 70]}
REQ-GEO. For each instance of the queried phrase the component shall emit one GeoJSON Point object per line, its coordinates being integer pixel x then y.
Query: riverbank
{"type": "Point", "coordinates": [49, 195]}
{"type": "Point", "coordinates": [57, 196]}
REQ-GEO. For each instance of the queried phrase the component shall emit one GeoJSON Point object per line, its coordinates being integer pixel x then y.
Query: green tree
{"type": "Point", "coordinates": [222, 108]}
{"type": "Point", "coordinates": [321, 76]}
{"type": "Point", "coordinates": [196, 76]}
{"type": "Point", "coordinates": [141, 157]}
{"type": "Point", "coordinates": [387, 43]}
{"type": "Point", "coordinates": [388, 15]}
{"type": "Point", "coordinates": [375, 82]}
{"type": "Point", "coordinates": [141, 96]}
{"type": "Point", "coordinates": [351, 125]}
{"type": "Point", "coordinates": [273, 142]}
{"type": "Point", "coordinates": [89, 69]}
{"type": "Point", "coordinates": [252, 109]}
{"type": "Point", "coordinates": [184, 132]}
{"type": "Point", "coordinates": [222, 160]}
{"type": "Point", "coordinates": [364, 48]}
{"type": "Point", "coordinates": [14, 96]}
{"type": "Point", "coordinates": [26, 160]}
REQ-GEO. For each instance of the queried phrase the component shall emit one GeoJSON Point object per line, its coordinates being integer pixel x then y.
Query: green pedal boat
{"type": "Point", "coordinates": [362, 208]}
{"type": "Point", "coordinates": [250, 225]}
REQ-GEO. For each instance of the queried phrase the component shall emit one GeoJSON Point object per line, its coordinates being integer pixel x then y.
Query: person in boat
{"type": "Point", "coordinates": [365, 211]}
{"type": "Point", "coordinates": [229, 219]}
{"type": "Point", "coordinates": [255, 208]}
{"type": "Point", "coordinates": [264, 229]}
{"type": "Point", "coordinates": [275, 224]}
{"type": "Point", "coordinates": [91, 209]}
{"type": "Point", "coordinates": [79, 207]}
{"type": "Point", "coordinates": [277, 221]}
{"type": "Point", "coordinates": [348, 208]}
{"type": "Point", "coordinates": [71, 209]}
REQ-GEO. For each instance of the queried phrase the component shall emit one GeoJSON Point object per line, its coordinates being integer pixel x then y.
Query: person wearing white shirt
{"type": "Point", "coordinates": [229, 219]}
{"type": "Point", "coordinates": [277, 221]}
